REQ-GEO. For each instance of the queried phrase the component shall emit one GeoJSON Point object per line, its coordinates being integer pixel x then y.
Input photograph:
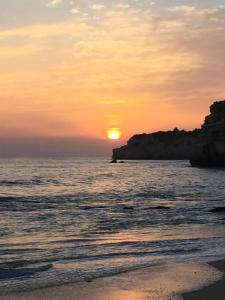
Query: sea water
{"type": "Point", "coordinates": [65, 220]}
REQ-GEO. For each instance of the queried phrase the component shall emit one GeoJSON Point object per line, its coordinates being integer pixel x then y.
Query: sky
{"type": "Point", "coordinates": [70, 70]}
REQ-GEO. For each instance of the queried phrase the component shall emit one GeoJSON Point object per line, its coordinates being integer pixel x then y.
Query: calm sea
{"type": "Point", "coordinates": [64, 220]}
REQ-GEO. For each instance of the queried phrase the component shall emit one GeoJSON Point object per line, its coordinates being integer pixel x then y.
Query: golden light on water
{"type": "Point", "coordinates": [114, 133]}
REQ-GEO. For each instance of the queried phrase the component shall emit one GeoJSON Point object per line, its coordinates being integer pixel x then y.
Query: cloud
{"type": "Point", "coordinates": [75, 11]}
{"type": "Point", "coordinates": [17, 51]}
{"type": "Point", "coordinates": [194, 11]}
{"type": "Point", "coordinates": [55, 147]}
{"type": "Point", "coordinates": [97, 6]}
{"type": "Point", "coordinates": [116, 102]}
{"type": "Point", "coordinates": [54, 3]}
{"type": "Point", "coordinates": [182, 8]}
{"type": "Point", "coordinates": [122, 5]}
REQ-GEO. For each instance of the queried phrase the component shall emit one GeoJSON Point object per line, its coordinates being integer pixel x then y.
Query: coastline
{"type": "Point", "coordinates": [213, 291]}
{"type": "Point", "coordinates": [162, 282]}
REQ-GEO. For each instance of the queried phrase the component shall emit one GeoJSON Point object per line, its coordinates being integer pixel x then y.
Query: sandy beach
{"type": "Point", "coordinates": [214, 291]}
{"type": "Point", "coordinates": [159, 283]}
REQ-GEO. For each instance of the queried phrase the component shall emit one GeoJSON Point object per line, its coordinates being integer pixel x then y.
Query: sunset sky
{"type": "Point", "coordinates": [74, 69]}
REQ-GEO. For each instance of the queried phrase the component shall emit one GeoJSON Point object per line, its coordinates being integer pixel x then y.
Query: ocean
{"type": "Point", "coordinates": [66, 220]}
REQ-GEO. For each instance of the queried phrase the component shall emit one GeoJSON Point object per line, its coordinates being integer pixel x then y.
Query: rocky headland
{"type": "Point", "coordinates": [176, 144]}
{"type": "Point", "coordinates": [204, 147]}
{"type": "Point", "coordinates": [210, 147]}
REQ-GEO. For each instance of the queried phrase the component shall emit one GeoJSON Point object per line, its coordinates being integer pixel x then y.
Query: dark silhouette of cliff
{"type": "Point", "coordinates": [204, 147]}
{"type": "Point", "coordinates": [176, 144]}
{"type": "Point", "coordinates": [210, 147]}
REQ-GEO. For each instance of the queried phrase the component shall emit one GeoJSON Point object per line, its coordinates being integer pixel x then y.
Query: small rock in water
{"type": "Point", "coordinates": [161, 207]}
{"type": "Point", "coordinates": [87, 207]}
{"type": "Point", "coordinates": [218, 209]}
{"type": "Point", "coordinates": [113, 161]}
{"type": "Point", "coordinates": [157, 207]}
{"type": "Point", "coordinates": [128, 207]}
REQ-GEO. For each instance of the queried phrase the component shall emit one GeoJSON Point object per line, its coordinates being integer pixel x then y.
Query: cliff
{"type": "Point", "coordinates": [210, 147]}
{"type": "Point", "coordinates": [204, 147]}
{"type": "Point", "coordinates": [176, 144]}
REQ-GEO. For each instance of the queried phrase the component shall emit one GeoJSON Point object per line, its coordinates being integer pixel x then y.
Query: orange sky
{"type": "Point", "coordinates": [76, 69]}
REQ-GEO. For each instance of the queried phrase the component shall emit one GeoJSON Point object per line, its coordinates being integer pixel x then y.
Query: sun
{"type": "Point", "coordinates": [114, 133]}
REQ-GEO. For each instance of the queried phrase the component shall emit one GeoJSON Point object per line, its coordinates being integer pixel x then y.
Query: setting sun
{"type": "Point", "coordinates": [114, 133]}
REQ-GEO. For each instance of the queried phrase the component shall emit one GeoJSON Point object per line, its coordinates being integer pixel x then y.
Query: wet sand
{"type": "Point", "coordinates": [216, 291]}
{"type": "Point", "coordinates": [156, 283]}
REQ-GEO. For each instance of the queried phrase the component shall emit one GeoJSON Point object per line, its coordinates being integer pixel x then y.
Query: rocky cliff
{"type": "Point", "coordinates": [210, 147]}
{"type": "Point", "coordinates": [204, 147]}
{"type": "Point", "coordinates": [176, 144]}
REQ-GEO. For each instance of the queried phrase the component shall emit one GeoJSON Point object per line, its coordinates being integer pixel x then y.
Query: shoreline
{"type": "Point", "coordinates": [162, 282]}
{"type": "Point", "coordinates": [213, 291]}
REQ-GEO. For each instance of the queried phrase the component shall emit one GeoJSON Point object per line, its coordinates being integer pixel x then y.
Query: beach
{"type": "Point", "coordinates": [162, 282]}
{"type": "Point", "coordinates": [213, 291]}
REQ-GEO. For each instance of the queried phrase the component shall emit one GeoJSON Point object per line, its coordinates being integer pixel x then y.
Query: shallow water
{"type": "Point", "coordinates": [62, 220]}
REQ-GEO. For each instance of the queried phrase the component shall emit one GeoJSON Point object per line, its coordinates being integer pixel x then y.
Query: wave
{"type": "Point", "coordinates": [27, 182]}
{"type": "Point", "coordinates": [6, 273]}
{"type": "Point", "coordinates": [49, 276]}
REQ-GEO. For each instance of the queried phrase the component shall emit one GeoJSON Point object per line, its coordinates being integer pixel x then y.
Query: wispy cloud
{"type": "Point", "coordinates": [122, 5]}
{"type": "Point", "coordinates": [195, 11]}
{"type": "Point", "coordinates": [54, 3]}
{"type": "Point", "coordinates": [97, 6]}
{"type": "Point", "coordinates": [75, 11]}
{"type": "Point", "coordinates": [182, 8]}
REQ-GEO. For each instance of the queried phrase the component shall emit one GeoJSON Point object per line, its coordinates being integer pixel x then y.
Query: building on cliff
{"type": "Point", "coordinates": [204, 147]}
